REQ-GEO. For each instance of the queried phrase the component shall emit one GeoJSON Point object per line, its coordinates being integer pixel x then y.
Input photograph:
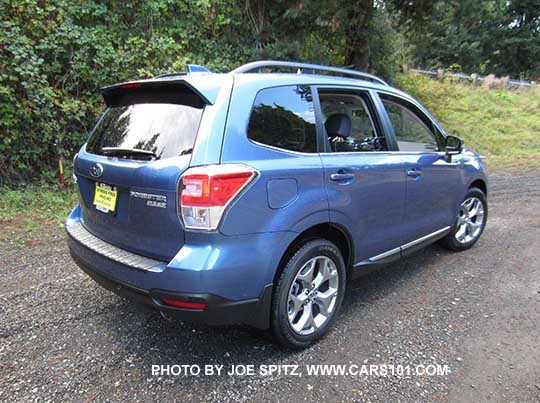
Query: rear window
{"type": "Point", "coordinates": [146, 131]}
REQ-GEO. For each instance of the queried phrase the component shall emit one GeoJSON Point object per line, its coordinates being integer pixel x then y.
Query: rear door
{"type": "Point", "coordinates": [364, 179]}
{"type": "Point", "coordinates": [128, 171]}
{"type": "Point", "coordinates": [433, 183]}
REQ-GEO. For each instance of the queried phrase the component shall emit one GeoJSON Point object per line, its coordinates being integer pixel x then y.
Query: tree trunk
{"type": "Point", "coordinates": [256, 17]}
{"type": "Point", "coordinates": [358, 30]}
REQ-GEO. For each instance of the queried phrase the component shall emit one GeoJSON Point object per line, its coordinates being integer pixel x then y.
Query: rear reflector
{"type": "Point", "coordinates": [205, 193]}
{"type": "Point", "coordinates": [183, 304]}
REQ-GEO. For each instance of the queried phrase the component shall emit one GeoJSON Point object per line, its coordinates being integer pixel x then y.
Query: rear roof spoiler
{"type": "Point", "coordinates": [176, 91]}
{"type": "Point", "coordinates": [197, 87]}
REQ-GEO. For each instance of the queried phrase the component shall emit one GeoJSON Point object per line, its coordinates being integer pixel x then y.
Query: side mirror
{"type": "Point", "coordinates": [453, 145]}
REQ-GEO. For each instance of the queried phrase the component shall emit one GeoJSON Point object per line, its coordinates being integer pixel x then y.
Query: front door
{"type": "Point", "coordinates": [432, 181]}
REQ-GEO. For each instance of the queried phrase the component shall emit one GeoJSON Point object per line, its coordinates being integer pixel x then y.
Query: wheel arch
{"type": "Point", "coordinates": [480, 184]}
{"type": "Point", "coordinates": [333, 232]}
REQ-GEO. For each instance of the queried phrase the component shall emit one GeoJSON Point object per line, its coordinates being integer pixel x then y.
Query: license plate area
{"type": "Point", "coordinates": [105, 198]}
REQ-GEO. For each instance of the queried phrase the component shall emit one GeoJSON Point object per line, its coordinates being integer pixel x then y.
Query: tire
{"type": "Point", "coordinates": [302, 314]}
{"type": "Point", "coordinates": [457, 239]}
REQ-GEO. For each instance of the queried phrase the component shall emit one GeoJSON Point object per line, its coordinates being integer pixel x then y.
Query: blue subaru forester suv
{"type": "Point", "coordinates": [254, 197]}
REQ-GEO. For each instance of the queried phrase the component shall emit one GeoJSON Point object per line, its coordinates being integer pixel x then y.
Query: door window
{"type": "Point", "coordinates": [413, 130]}
{"type": "Point", "coordinates": [349, 124]}
{"type": "Point", "coordinates": [284, 117]}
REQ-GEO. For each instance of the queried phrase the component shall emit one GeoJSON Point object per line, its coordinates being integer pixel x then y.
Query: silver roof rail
{"type": "Point", "coordinates": [306, 68]}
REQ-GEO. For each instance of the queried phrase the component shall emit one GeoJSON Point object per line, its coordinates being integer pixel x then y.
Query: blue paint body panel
{"type": "Point", "coordinates": [379, 207]}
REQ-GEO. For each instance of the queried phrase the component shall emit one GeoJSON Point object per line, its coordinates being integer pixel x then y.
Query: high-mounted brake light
{"type": "Point", "coordinates": [205, 193]}
{"type": "Point", "coordinates": [131, 85]}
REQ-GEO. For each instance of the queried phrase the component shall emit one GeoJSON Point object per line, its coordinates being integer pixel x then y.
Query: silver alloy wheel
{"type": "Point", "coordinates": [313, 295]}
{"type": "Point", "coordinates": [470, 220]}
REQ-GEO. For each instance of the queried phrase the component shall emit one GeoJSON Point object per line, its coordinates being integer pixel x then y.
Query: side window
{"type": "Point", "coordinates": [284, 117]}
{"type": "Point", "coordinates": [348, 123]}
{"type": "Point", "coordinates": [412, 132]}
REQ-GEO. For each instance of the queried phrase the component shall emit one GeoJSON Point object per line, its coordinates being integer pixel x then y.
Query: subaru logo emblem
{"type": "Point", "coordinates": [96, 170]}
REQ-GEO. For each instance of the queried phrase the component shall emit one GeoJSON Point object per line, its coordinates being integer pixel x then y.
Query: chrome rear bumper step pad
{"type": "Point", "coordinates": [84, 237]}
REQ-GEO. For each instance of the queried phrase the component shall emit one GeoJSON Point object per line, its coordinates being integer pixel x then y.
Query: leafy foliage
{"type": "Point", "coordinates": [56, 54]}
{"type": "Point", "coordinates": [488, 37]}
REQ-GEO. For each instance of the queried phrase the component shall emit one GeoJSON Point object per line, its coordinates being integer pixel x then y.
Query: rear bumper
{"type": "Point", "coordinates": [232, 276]}
{"type": "Point", "coordinates": [218, 310]}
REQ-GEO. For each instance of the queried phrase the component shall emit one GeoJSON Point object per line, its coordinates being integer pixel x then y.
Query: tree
{"type": "Point", "coordinates": [339, 32]}
{"type": "Point", "coordinates": [490, 36]}
{"type": "Point", "coordinates": [519, 40]}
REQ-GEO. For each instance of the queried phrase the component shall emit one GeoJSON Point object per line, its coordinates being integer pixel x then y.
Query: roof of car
{"type": "Point", "coordinates": [207, 83]}
{"type": "Point", "coordinates": [278, 79]}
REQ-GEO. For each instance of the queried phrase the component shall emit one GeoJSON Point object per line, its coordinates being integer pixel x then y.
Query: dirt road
{"type": "Point", "coordinates": [64, 339]}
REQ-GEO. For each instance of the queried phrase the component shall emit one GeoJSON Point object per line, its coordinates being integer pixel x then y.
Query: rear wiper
{"type": "Point", "coordinates": [128, 151]}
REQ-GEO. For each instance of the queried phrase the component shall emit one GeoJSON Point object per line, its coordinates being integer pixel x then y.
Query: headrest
{"type": "Point", "coordinates": [338, 125]}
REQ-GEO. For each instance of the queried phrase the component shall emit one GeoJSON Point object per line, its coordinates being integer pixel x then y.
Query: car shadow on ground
{"type": "Point", "coordinates": [154, 340]}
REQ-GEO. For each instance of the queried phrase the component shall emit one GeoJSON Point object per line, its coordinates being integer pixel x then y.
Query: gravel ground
{"type": "Point", "coordinates": [64, 339]}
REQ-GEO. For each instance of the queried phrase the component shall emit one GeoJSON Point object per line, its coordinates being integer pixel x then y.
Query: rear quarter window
{"type": "Point", "coordinates": [284, 117]}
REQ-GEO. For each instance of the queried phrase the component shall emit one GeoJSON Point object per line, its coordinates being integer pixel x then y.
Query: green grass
{"type": "Point", "coordinates": [503, 125]}
{"type": "Point", "coordinates": [29, 214]}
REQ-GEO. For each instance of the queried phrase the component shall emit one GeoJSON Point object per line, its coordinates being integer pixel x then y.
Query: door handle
{"type": "Point", "coordinates": [341, 177]}
{"type": "Point", "coordinates": [414, 173]}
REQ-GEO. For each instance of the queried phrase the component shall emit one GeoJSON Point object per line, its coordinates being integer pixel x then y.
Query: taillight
{"type": "Point", "coordinates": [205, 193]}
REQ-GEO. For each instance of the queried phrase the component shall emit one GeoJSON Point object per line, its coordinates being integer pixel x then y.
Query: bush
{"type": "Point", "coordinates": [56, 54]}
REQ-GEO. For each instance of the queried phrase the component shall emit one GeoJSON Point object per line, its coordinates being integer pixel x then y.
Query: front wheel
{"type": "Point", "coordinates": [308, 294]}
{"type": "Point", "coordinates": [470, 222]}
